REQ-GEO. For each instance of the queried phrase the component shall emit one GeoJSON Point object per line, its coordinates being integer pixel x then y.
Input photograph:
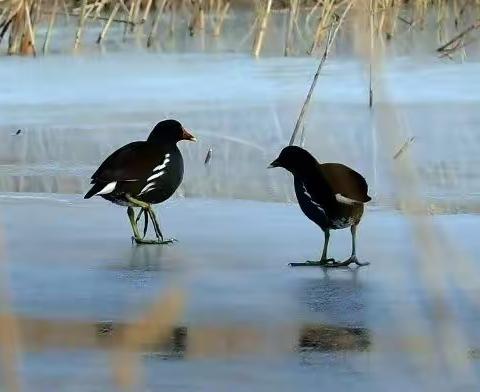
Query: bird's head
{"type": "Point", "coordinates": [170, 131]}
{"type": "Point", "coordinates": [294, 159]}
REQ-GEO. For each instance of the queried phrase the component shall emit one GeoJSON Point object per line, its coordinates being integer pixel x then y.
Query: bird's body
{"type": "Point", "coordinates": [148, 172]}
{"type": "Point", "coordinates": [330, 194]}
{"type": "Point", "coordinates": [142, 173]}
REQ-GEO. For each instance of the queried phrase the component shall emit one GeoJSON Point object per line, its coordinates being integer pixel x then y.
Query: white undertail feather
{"type": "Point", "coordinates": [345, 200]}
{"type": "Point", "coordinates": [109, 188]}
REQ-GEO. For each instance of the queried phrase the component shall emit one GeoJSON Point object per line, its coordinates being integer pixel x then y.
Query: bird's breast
{"type": "Point", "coordinates": [312, 208]}
{"type": "Point", "coordinates": [163, 179]}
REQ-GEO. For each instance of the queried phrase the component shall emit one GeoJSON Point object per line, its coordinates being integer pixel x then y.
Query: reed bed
{"type": "Point", "coordinates": [23, 22]}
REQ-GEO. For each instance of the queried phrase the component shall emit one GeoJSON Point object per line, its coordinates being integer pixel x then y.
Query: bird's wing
{"type": "Point", "coordinates": [348, 186]}
{"type": "Point", "coordinates": [125, 164]}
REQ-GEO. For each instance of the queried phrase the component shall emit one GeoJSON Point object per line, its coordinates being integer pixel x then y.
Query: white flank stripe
{"type": "Point", "coordinates": [107, 188]}
{"type": "Point", "coordinates": [311, 200]}
{"type": "Point", "coordinates": [163, 165]}
{"type": "Point", "coordinates": [153, 176]}
{"type": "Point", "coordinates": [147, 188]}
{"type": "Point", "coordinates": [345, 200]}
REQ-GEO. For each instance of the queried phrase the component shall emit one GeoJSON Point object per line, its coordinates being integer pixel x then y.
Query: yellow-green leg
{"type": "Point", "coordinates": [145, 207]}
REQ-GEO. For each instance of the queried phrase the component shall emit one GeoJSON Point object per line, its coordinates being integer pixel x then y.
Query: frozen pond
{"type": "Point", "coordinates": [248, 321]}
{"type": "Point", "coordinates": [73, 111]}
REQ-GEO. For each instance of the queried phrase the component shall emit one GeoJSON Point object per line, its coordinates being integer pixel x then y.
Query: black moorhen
{"type": "Point", "coordinates": [143, 173]}
{"type": "Point", "coordinates": [330, 194]}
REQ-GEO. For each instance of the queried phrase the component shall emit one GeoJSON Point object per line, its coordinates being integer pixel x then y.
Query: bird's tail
{"type": "Point", "coordinates": [94, 190]}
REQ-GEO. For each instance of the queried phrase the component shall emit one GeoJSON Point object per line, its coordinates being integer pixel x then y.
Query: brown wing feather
{"type": "Point", "coordinates": [346, 181]}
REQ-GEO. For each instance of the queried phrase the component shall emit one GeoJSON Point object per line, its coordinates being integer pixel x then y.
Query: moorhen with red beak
{"type": "Point", "coordinates": [330, 194]}
{"type": "Point", "coordinates": [143, 173]}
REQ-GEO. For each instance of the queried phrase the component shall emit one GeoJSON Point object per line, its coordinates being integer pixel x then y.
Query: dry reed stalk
{"type": "Point", "coordinates": [404, 147]}
{"type": "Point", "coordinates": [9, 348]}
{"type": "Point", "coordinates": [292, 16]}
{"type": "Point", "coordinates": [312, 12]}
{"type": "Point", "coordinates": [81, 23]}
{"type": "Point", "coordinates": [65, 10]}
{"type": "Point", "coordinates": [9, 337]}
{"type": "Point", "coordinates": [214, 9]}
{"type": "Point", "coordinates": [28, 39]}
{"type": "Point", "coordinates": [104, 31]}
{"type": "Point", "coordinates": [249, 33]}
{"type": "Point", "coordinates": [443, 337]}
{"type": "Point", "coordinates": [38, 8]}
{"type": "Point", "coordinates": [201, 15]}
{"type": "Point", "coordinates": [221, 19]}
{"type": "Point", "coordinates": [146, 11]}
{"type": "Point", "coordinates": [324, 21]}
{"type": "Point", "coordinates": [50, 27]}
{"type": "Point", "coordinates": [380, 7]}
{"type": "Point", "coordinates": [124, 6]}
{"type": "Point", "coordinates": [372, 51]}
{"type": "Point", "coordinates": [129, 19]}
{"type": "Point", "coordinates": [136, 11]}
{"type": "Point", "coordinates": [197, 20]}
{"type": "Point", "coordinates": [458, 37]}
{"type": "Point", "coordinates": [98, 7]}
{"type": "Point", "coordinates": [3, 14]}
{"type": "Point", "coordinates": [392, 22]}
{"type": "Point", "coordinates": [173, 11]}
{"type": "Point", "coordinates": [16, 29]}
{"type": "Point", "coordinates": [332, 33]}
{"type": "Point", "coordinates": [155, 23]}
{"type": "Point", "coordinates": [154, 327]}
{"type": "Point", "coordinates": [257, 44]}
{"type": "Point", "coordinates": [300, 34]}
{"type": "Point", "coordinates": [4, 27]}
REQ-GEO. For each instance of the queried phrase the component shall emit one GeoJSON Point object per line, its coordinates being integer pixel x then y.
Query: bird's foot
{"type": "Point", "coordinates": [314, 263]}
{"type": "Point", "coordinates": [346, 263]}
{"type": "Point", "coordinates": [158, 241]}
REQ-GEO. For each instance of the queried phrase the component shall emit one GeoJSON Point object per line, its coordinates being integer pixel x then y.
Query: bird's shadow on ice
{"type": "Point", "coordinates": [149, 258]}
{"type": "Point", "coordinates": [337, 297]}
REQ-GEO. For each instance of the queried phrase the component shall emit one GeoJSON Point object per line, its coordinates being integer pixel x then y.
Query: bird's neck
{"type": "Point", "coordinates": [164, 145]}
{"type": "Point", "coordinates": [315, 178]}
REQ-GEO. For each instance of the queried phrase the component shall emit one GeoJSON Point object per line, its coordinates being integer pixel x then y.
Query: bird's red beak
{"type": "Point", "coordinates": [188, 136]}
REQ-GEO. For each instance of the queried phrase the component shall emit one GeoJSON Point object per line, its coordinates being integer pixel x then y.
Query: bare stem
{"type": "Point", "coordinates": [459, 36]}
{"type": "Point", "coordinates": [50, 27]}
{"type": "Point", "coordinates": [257, 46]}
{"type": "Point", "coordinates": [81, 22]}
{"type": "Point", "coordinates": [332, 33]}
{"type": "Point", "coordinates": [108, 23]}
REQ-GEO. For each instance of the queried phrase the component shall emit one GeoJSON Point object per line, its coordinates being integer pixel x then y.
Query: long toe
{"type": "Point", "coordinates": [326, 261]}
{"type": "Point", "coordinates": [345, 263]}
{"type": "Point", "coordinates": [142, 241]}
{"type": "Point", "coordinates": [354, 259]}
{"type": "Point", "coordinates": [313, 263]}
{"type": "Point", "coordinates": [361, 264]}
